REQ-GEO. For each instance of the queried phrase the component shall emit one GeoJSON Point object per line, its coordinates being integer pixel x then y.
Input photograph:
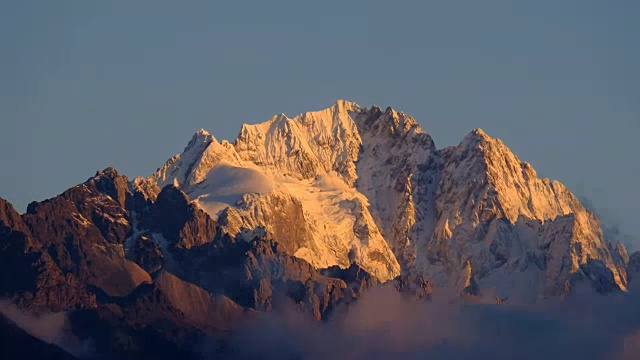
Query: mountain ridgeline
{"type": "Point", "coordinates": [361, 185]}
{"type": "Point", "coordinates": [308, 212]}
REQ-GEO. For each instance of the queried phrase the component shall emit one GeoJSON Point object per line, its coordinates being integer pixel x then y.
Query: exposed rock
{"type": "Point", "coordinates": [416, 287]}
{"type": "Point", "coordinates": [180, 222]}
{"type": "Point", "coordinates": [600, 275]}
{"type": "Point", "coordinates": [147, 253]}
{"type": "Point", "coordinates": [354, 276]}
{"type": "Point", "coordinates": [29, 275]}
{"type": "Point", "coordinates": [261, 275]}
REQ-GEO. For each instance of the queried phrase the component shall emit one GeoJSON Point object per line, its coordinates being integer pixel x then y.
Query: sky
{"type": "Point", "coordinates": [85, 84]}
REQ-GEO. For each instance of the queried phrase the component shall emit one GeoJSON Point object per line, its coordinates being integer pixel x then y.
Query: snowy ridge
{"type": "Point", "coordinates": [484, 194]}
{"type": "Point", "coordinates": [310, 144]}
{"type": "Point", "coordinates": [393, 172]}
{"type": "Point", "coordinates": [348, 184]}
{"type": "Point", "coordinates": [293, 178]}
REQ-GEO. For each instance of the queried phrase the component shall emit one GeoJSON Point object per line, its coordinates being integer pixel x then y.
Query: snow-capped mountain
{"type": "Point", "coordinates": [308, 213]}
{"type": "Point", "coordinates": [352, 184]}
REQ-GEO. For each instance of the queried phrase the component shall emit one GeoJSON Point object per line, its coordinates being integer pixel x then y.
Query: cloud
{"type": "Point", "coordinates": [612, 227]}
{"type": "Point", "coordinates": [384, 324]}
{"type": "Point", "coordinates": [52, 328]}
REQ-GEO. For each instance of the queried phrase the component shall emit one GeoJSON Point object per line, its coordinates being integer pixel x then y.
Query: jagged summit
{"type": "Point", "coordinates": [199, 140]}
{"type": "Point", "coordinates": [347, 105]}
{"type": "Point", "coordinates": [109, 172]}
{"type": "Point", "coordinates": [354, 183]}
{"type": "Point", "coordinates": [479, 139]}
{"type": "Point", "coordinates": [479, 132]}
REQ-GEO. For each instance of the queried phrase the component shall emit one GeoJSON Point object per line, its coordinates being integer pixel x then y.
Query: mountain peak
{"type": "Point", "coordinates": [109, 172]}
{"type": "Point", "coordinates": [200, 139]}
{"type": "Point", "coordinates": [112, 183]}
{"type": "Point", "coordinates": [479, 143]}
{"type": "Point", "coordinates": [388, 123]}
{"type": "Point", "coordinates": [346, 105]}
{"type": "Point", "coordinates": [279, 118]}
{"type": "Point", "coordinates": [479, 132]}
{"type": "Point", "coordinates": [202, 132]}
{"type": "Point", "coordinates": [475, 136]}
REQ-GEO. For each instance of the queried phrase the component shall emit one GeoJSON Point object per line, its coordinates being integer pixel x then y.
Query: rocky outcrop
{"type": "Point", "coordinates": [181, 223]}
{"type": "Point", "coordinates": [356, 278]}
{"type": "Point", "coordinates": [67, 245]}
{"type": "Point", "coordinates": [147, 253]}
{"type": "Point", "coordinates": [260, 274]}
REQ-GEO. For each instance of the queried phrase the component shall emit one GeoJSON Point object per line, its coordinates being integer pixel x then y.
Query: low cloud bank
{"type": "Point", "coordinates": [385, 325]}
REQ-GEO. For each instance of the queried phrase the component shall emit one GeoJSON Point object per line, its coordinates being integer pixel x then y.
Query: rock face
{"type": "Point", "coordinates": [134, 270]}
{"type": "Point", "coordinates": [519, 233]}
{"type": "Point", "coordinates": [351, 184]}
{"type": "Point", "coordinates": [259, 274]}
{"type": "Point", "coordinates": [66, 244]}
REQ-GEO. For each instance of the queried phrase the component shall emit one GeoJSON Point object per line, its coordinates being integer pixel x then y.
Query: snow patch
{"type": "Point", "coordinates": [225, 185]}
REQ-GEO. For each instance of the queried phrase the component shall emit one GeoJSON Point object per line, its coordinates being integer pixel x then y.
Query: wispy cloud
{"type": "Point", "coordinates": [52, 328]}
{"type": "Point", "coordinates": [610, 222]}
{"type": "Point", "coordinates": [386, 325]}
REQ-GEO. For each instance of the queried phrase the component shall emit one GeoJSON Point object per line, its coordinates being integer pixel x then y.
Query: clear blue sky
{"type": "Point", "coordinates": [88, 84]}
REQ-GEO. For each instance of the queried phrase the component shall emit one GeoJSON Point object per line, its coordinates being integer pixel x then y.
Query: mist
{"type": "Point", "coordinates": [52, 328]}
{"type": "Point", "coordinates": [385, 324]}
{"type": "Point", "coordinates": [612, 226]}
